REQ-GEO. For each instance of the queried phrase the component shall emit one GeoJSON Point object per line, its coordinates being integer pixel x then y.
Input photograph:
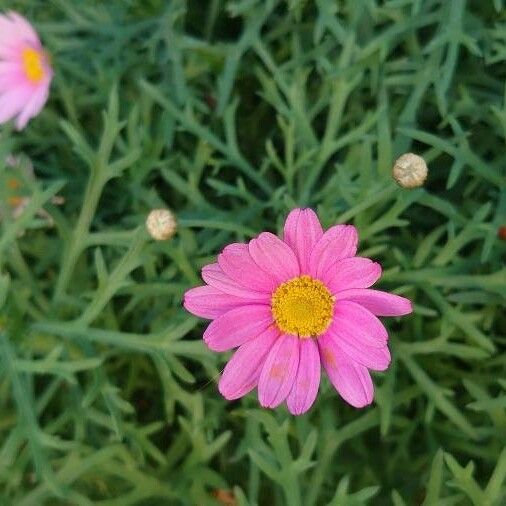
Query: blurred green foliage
{"type": "Point", "coordinates": [231, 113]}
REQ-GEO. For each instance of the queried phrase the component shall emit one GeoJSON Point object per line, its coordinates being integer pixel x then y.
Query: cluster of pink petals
{"type": "Point", "coordinates": [237, 297]}
{"type": "Point", "coordinates": [20, 98]}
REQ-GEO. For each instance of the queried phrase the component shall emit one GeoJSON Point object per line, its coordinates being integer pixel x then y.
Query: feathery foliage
{"type": "Point", "coordinates": [231, 113]}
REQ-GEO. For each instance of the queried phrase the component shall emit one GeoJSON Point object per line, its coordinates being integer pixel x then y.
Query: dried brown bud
{"type": "Point", "coordinates": [161, 224]}
{"type": "Point", "coordinates": [410, 171]}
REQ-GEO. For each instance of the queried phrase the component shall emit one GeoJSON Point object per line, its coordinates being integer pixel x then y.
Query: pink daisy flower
{"type": "Point", "coordinates": [293, 305]}
{"type": "Point", "coordinates": [25, 72]}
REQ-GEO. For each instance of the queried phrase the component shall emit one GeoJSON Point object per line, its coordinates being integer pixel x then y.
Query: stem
{"type": "Point", "coordinates": [201, 132]}
{"type": "Point", "coordinates": [292, 493]}
{"type": "Point", "coordinates": [125, 266]}
{"type": "Point", "coordinates": [78, 237]}
{"type": "Point", "coordinates": [289, 477]}
{"type": "Point", "coordinates": [27, 418]}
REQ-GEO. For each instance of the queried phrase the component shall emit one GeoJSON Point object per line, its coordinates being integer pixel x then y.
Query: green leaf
{"type": "Point", "coordinates": [436, 395]}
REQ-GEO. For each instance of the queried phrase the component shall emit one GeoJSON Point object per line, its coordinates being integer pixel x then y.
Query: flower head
{"type": "Point", "coordinates": [292, 305]}
{"type": "Point", "coordinates": [161, 224]}
{"type": "Point", "coordinates": [25, 71]}
{"type": "Point", "coordinates": [410, 171]}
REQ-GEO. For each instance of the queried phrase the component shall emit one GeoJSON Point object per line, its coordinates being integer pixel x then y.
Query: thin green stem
{"type": "Point", "coordinates": [26, 414]}
{"type": "Point", "coordinates": [79, 235]}
{"type": "Point", "coordinates": [104, 294]}
{"type": "Point", "coordinates": [201, 132]}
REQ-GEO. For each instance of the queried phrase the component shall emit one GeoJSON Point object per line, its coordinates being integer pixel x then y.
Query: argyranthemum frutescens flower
{"type": "Point", "coordinates": [292, 305]}
{"type": "Point", "coordinates": [25, 72]}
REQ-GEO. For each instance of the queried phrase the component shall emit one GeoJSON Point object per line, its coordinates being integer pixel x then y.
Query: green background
{"type": "Point", "coordinates": [231, 113]}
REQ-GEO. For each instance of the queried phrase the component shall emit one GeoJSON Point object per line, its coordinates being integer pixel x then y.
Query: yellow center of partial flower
{"type": "Point", "coordinates": [302, 306]}
{"type": "Point", "coordinates": [33, 64]}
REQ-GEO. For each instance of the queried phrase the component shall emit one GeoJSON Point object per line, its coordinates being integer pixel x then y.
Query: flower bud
{"type": "Point", "coordinates": [410, 171]}
{"type": "Point", "coordinates": [161, 224]}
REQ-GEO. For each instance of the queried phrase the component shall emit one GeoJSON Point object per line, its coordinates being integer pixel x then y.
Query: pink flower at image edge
{"type": "Point", "coordinates": [291, 305]}
{"type": "Point", "coordinates": [25, 72]}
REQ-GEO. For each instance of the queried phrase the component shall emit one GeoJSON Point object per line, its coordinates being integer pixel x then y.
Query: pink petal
{"type": "Point", "coordinates": [11, 68]}
{"type": "Point", "coordinates": [213, 275]}
{"type": "Point", "coordinates": [8, 33]}
{"type": "Point", "coordinates": [12, 102]}
{"type": "Point", "coordinates": [372, 357]}
{"type": "Point", "coordinates": [9, 49]}
{"type": "Point", "coordinates": [242, 372]}
{"type": "Point", "coordinates": [354, 272]}
{"type": "Point", "coordinates": [14, 26]}
{"type": "Point", "coordinates": [377, 302]}
{"type": "Point", "coordinates": [302, 232]}
{"type": "Point", "coordinates": [307, 381]}
{"type": "Point", "coordinates": [351, 380]}
{"type": "Point", "coordinates": [274, 256]}
{"type": "Point", "coordinates": [278, 372]}
{"type": "Point", "coordinates": [339, 241]}
{"type": "Point", "coordinates": [33, 107]}
{"type": "Point", "coordinates": [236, 262]}
{"type": "Point", "coordinates": [237, 326]}
{"type": "Point", "coordinates": [359, 323]}
{"type": "Point", "coordinates": [10, 80]}
{"type": "Point", "coordinates": [208, 302]}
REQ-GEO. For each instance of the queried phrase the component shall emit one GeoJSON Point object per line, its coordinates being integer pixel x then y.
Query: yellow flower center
{"type": "Point", "coordinates": [302, 306]}
{"type": "Point", "coordinates": [33, 64]}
